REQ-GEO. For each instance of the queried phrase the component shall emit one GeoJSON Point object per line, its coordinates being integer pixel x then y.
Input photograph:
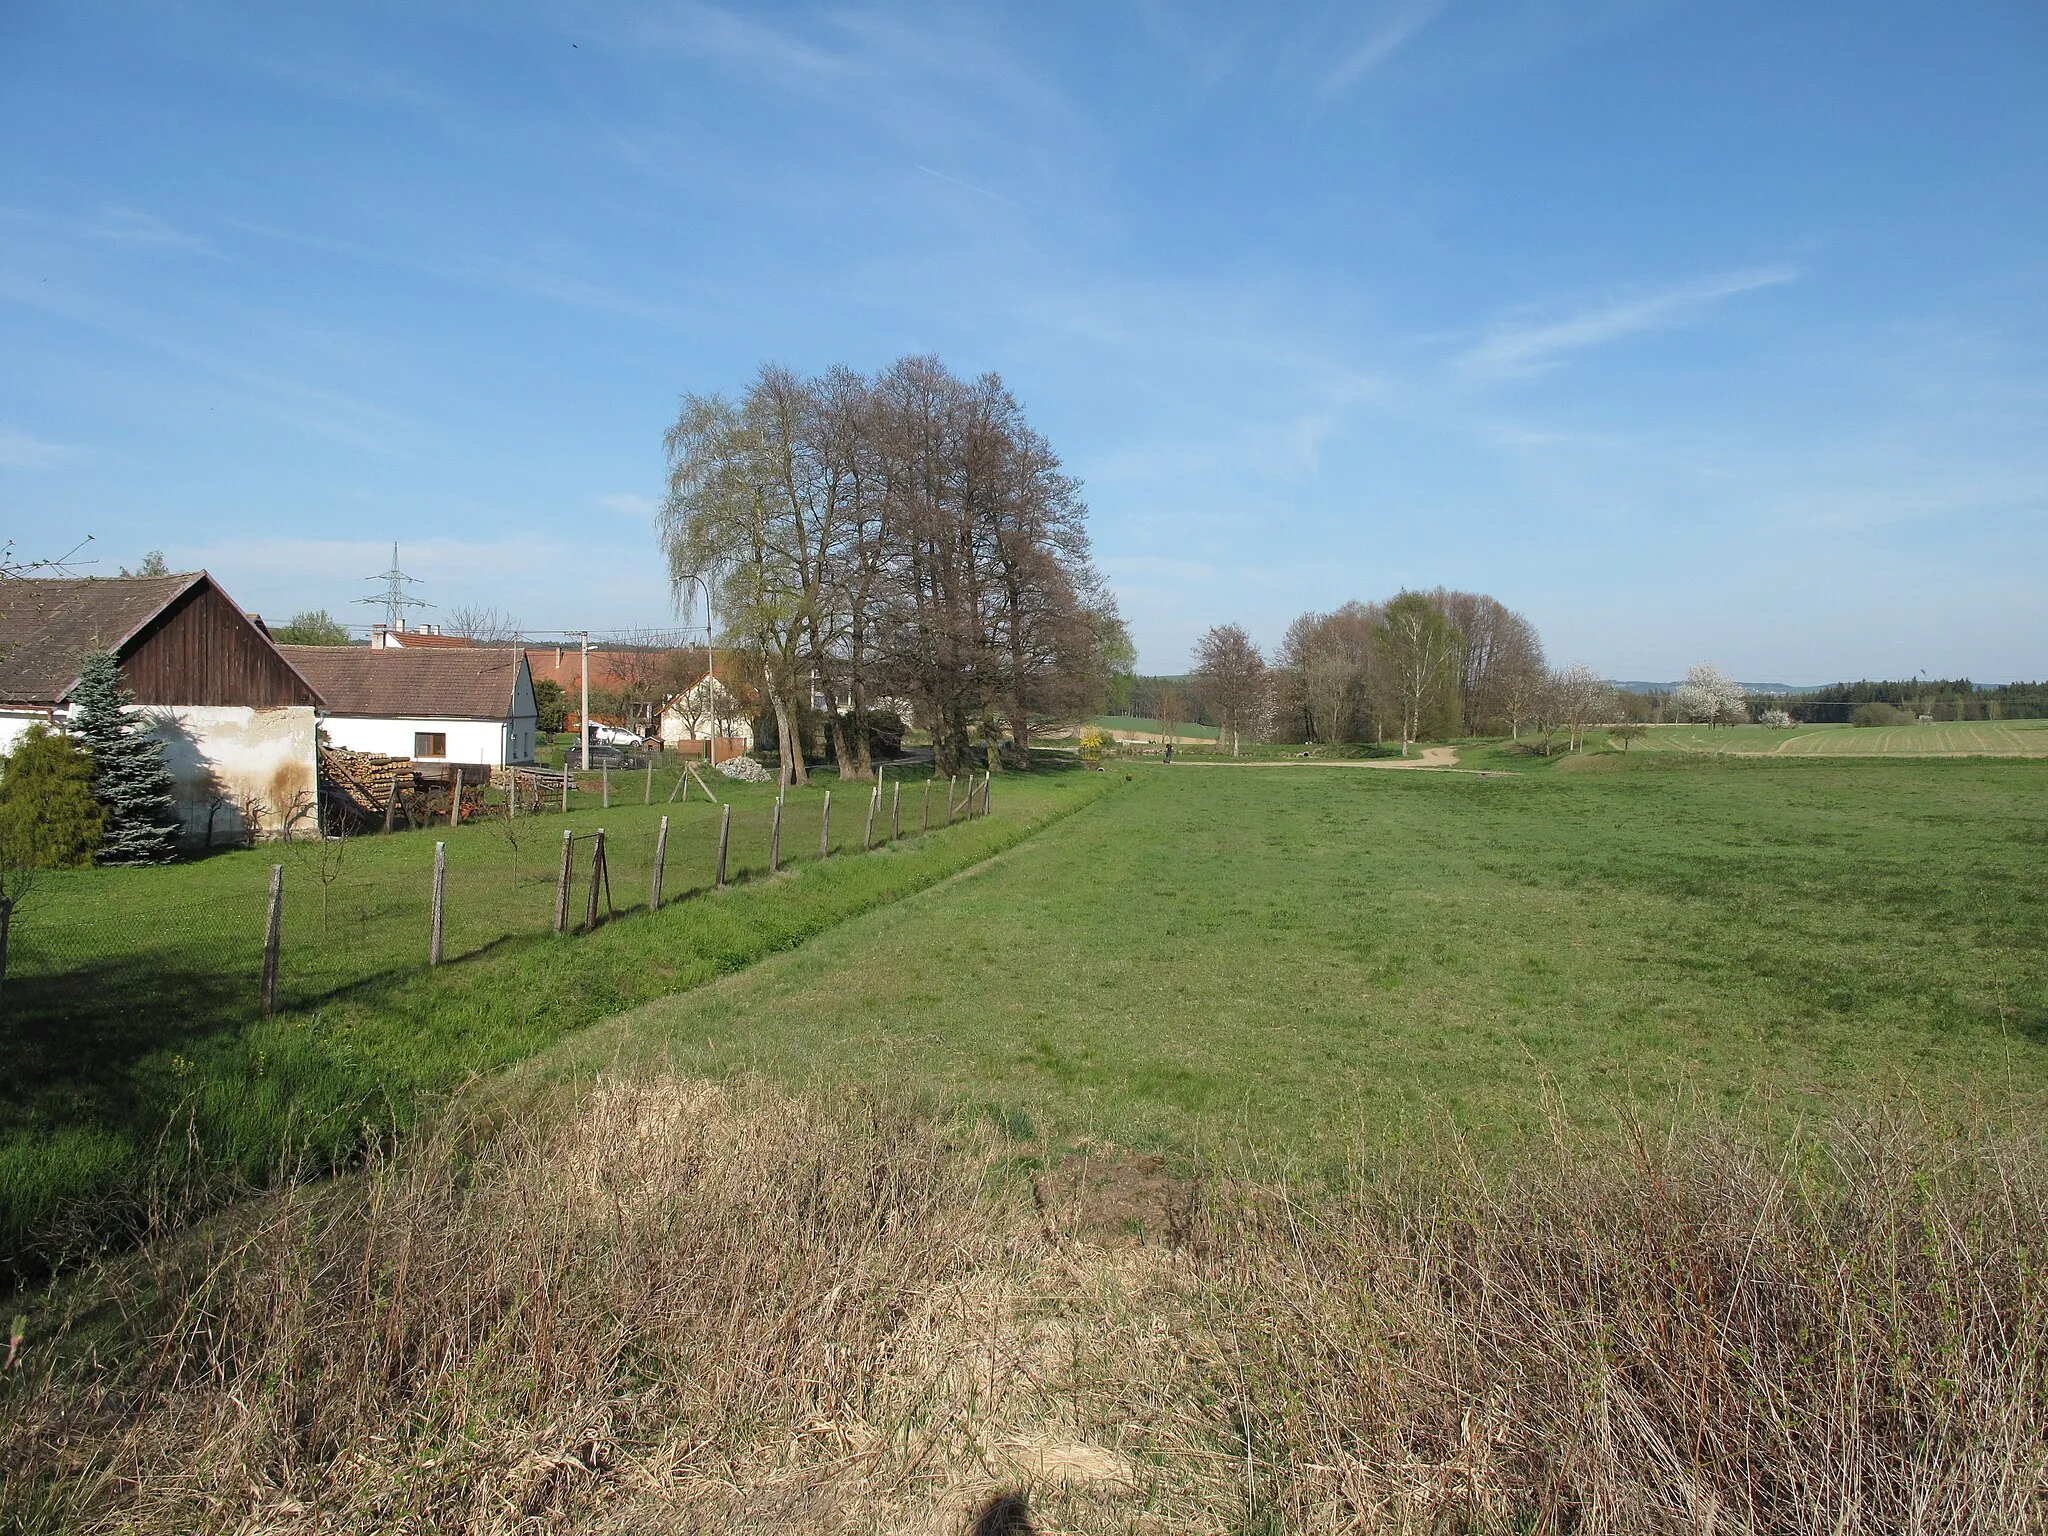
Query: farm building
{"type": "Point", "coordinates": [467, 704]}
{"type": "Point", "coordinates": [236, 718]}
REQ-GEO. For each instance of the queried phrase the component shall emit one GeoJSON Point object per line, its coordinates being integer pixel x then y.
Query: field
{"type": "Point", "coordinates": [1628, 1143]}
{"type": "Point", "coordinates": [1958, 738]}
{"type": "Point", "coordinates": [1290, 960]}
{"type": "Point", "coordinates": [1140, 725]}
{"type": "Point", "coordinates": [137, 1059]}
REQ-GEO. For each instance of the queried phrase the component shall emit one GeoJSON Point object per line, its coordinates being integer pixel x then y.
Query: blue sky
{"type": "Point", "coordinates": [1693, 330]}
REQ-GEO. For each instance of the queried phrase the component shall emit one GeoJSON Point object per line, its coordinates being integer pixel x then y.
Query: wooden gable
{"type": "Point", "coordinates": [201, 649]}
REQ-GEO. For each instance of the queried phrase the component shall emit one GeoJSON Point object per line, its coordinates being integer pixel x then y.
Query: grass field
{"type": "Point", "coordinates": [1289, 959]}
{"type": "Point", "coordinates": [1141, 725]}
{"type": "Point", "coordinates": [1362, 1231]}
{"type": "Point", "coordinates": [135, 1053]}
{"type": "Point", "coordinates": [1957, 738]}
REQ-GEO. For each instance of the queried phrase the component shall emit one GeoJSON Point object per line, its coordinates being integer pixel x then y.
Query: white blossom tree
{"type": "Point", "coordinates": [1711, 695]}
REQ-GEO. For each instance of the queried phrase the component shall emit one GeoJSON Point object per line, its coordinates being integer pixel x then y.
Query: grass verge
{"type": "Point", "coordinates": [165, 1108]}
{"type": "Point", "coordinates": [678, 1306]}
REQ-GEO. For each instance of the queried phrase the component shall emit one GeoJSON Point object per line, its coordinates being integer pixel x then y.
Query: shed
{"type": "Point", "coordinates": [236, 718]}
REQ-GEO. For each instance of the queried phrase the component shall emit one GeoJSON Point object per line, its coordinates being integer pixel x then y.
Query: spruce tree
{"type": "Point", "coordinates": [129, 777]}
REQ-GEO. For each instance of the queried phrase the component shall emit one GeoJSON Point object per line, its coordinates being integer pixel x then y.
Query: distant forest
{"type": "Point", "coordinates": [1944, 698]}
{"type": "Point", "coordinates": [1183, 698]}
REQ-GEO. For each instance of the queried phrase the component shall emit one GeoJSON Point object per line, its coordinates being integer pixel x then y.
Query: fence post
{"type": "Point", "coordinates": [896, 811]}
{"type": "Point", "coordinates": [440, 902]}
{"type": "Point", "coordinates": [660, 858]}
{"type": "Point", "coordinates": [648, 799]}
{"type": "Point", "coordinates": [681, 784]}
{"type": "Point", "coordinates": [724, 841]}
{"type": "Point", "coordinates": [562, 880]}
{"type": "Point", "coordinates": [512, 793]}
{"type": "Point", "coordinates": [951, 784]}
{"type": "Point", "coordinates": [597, 873]}
{"type": "Point", "coordinates": [825, 829]}
{"type": "Point", "coordinates": [867, 836]}
{"type": "Point", "coordinates": [775, 838]}
{"type": "Point", "coordinates": [604, 780]}
{"type": "Point", "coordinates": [925, 823]}
{"type": "Point", "coordinates": [273, 931]}
{"type": "Point", "coordinates": [565, 789]}
{"type": "Point", "coordinates": [390, 801]}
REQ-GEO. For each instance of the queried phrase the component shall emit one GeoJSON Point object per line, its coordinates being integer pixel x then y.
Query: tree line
{"type": "Point", "coordinates": [905, 538]}
{"type": "Point", "coordinates": [1415, 666]}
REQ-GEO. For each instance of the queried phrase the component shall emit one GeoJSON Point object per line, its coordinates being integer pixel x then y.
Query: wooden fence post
{"type": "Point", "coordinates": [987, 789]}
{"type": "Point", "coordinates": [273, 931]}
{"type": "Point", "coordinates": [825, 829]}
{"type": "Point", "coordinates": [925, 822]}
{"type": "Point", "coordinates": [597, 873]}
{"type": "Point", "coordinates": [604, 779]}
{"type": "Point", "coordinates": [660, 858]}
{"type": "Point", "coordinates": [896, 811]}
{"type": "Point", "coordinates": [390, 801]}
{"type": "Point", "coordinates": [724, 841]}
{"type": "Point", "coordinates": [867, 837]}
{"type": "Point", "coordinates": [512, 793]}
{"type": "Point", "coordinates": [440, 902]}
{"type": "Point", "coordinates": [562, 880]}
{"type": "Point", "coordinates": [775, 838]}
{"type": "Point", "coordinates": [648, 799]}
{"type": "Point", "coordinates": [681, 784]}
{"type": "Point", "coordinates": [951, 784]}
{"type": "Point", "coordinates": [565, 789]}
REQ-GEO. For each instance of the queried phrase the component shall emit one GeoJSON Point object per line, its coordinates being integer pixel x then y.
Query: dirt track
{"type": "Point", "coordinates": [1432, 757]}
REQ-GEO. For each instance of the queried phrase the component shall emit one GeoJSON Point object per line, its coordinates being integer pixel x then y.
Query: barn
{"type": "Point", "coordinates": [238, 722]}
{"type": "Point", "coordinates": [459, 704]}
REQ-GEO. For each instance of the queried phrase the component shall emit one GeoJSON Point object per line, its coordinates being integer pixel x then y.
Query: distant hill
{"type": "Point", "coordinates": [1785, 688]}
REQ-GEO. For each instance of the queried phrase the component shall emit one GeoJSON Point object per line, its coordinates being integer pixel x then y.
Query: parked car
{"type": "Point", "coordinates": [604, 755]}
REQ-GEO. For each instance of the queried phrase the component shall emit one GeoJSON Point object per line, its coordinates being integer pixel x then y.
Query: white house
{"type": "Point", "coordinates": [467, 704]}
{"type": "Point", "coordinates": [236, 719]}
{"type": "Point", "coordinates": [707, 711]}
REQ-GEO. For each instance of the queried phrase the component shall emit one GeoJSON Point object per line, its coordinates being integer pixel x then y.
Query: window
{"type": "Point", "coordinates": [429, 744]}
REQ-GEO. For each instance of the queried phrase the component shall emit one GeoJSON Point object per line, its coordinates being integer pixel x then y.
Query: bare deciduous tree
{"type": "Point", "coordinates": [484, 625]}
{"type": "Point", "coordinates": [1423, 654]}
{"type": "Point", "coordinates": [1232, 677]}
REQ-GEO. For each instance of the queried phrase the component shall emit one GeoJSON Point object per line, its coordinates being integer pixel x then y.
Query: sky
{"type": "Point", "coordinates": [1693, 331]}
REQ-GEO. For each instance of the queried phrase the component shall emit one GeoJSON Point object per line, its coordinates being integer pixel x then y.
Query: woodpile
{"type": "Point", "coordinates": [361, 783]}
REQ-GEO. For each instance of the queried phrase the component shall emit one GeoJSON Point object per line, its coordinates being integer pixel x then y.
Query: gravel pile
{"type": "Point", "coordinates": [744, 769]}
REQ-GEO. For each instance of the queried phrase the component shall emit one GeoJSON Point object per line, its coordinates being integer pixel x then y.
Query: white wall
{"type": "Point", "coordinates": [14, 726]}
{"type": "Point", "coordinates": [469, 741]}
{"type": "Point", "coordinates": [240, 770]}
{"type": "Point", "coordinates": [236, 771]}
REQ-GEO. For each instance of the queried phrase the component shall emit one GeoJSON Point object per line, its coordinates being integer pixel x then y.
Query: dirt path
{"type": "Point", "coordinates": [1432, 757]}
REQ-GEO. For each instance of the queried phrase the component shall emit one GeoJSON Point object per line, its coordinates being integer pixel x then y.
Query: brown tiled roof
{"type": "Point", "coordinates": [608, 669]}
{"type": "Point", "coordinates": [48, 625]}
{"type": "Point", "coordinates": [470, 683]}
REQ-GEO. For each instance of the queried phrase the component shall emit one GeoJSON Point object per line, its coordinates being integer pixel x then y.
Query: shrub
{"type": "Point", "coordinates": [1775, 719]}
{"type": "Point", "coordinates": [48, 816]}
{"type": "Point", "coordinates": [1879, 714]}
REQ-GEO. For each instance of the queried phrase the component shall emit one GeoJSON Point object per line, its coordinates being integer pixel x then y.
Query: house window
{"type": "Point", "coordinates": [429, 743]}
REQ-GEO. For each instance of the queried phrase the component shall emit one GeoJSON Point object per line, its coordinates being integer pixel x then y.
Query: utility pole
{"type": "Point", "coordinates": [583, 718]}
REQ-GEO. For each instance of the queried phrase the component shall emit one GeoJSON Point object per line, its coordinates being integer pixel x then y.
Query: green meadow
{"type": "Point", "coordinates": [139, 1070]}
{"type": "Point", "coordinates": [1941, 738]}
{"type": "Point", "coordinates": [1288, 960]}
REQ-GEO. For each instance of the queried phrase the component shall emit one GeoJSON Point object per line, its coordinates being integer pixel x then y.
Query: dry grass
{"type": "Point", "coordinates": [679, 1307]}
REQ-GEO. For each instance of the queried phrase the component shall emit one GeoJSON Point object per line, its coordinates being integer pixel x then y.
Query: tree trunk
{"type": "Point", "coordinates": [788, 744]}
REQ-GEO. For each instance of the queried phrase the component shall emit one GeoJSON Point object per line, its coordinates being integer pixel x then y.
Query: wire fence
{"type": "Point", "coordinates": [184, 943]}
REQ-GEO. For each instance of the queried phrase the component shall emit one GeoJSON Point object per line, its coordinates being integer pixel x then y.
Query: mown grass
{"type": "Point", "coordinates": [1292, 959]}
{"type": "Point", "coordinates": [1951, 738]}
{"type": "Point", "coordinates": [139, 1081]}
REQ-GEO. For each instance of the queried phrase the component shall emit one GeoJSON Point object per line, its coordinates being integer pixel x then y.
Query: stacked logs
{"type": "Point", "coordinates": [363, 781]}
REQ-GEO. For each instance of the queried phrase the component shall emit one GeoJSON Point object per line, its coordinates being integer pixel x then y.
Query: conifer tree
{"type": "Point", "coordinates": [129, 776]}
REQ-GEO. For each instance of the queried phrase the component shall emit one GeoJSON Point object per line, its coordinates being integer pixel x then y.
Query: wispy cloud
{"type": "Point", "coordinates": [1518, 349]}
{"type": "Point", "coordinates": [1392, 32]}
{"type": "Point", "coordinates": [971, 187]}
{"type": "Point", "coordinates": [626, 504]}
{"type": "Point", "coordinates": [129, 226]}
{"type": "Point", "coordinates": [18, 450]}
